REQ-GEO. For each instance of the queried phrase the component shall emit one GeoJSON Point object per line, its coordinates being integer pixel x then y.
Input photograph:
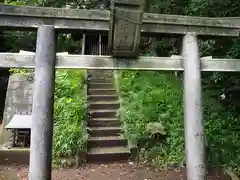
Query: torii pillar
{"type": "Point", "coordinates": [193, 113]}
{"type": "Point", "coordinates": [40, 166]}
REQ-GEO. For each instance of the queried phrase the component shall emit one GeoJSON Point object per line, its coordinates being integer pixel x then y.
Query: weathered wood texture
{"type": "Point", "coordinates": [12, 16]}
{"type": "Point", "coordinates": [175, 63]}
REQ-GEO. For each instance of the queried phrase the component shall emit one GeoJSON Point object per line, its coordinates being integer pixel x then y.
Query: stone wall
{"type": "Point", "coordinates": [19, 99]}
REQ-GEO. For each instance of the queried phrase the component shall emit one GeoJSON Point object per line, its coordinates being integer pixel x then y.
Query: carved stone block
{"type": "Point", "coordinates": [125, 27]}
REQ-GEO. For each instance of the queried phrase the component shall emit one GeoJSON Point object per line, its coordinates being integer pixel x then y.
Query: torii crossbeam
{"type": "Point", "coordinates": [48, 21]}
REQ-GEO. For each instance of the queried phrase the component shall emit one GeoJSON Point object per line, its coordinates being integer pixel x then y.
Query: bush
{"type": "Point", "coordinates": [153, 97]}
{"type": "Point", "coordinates": [70, 113]}
{"type": "Point", "coordinates": [158, 97]}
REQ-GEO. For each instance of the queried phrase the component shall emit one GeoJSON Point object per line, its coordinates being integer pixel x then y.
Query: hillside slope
{"type": "Point", "coordinates": [158, 97]}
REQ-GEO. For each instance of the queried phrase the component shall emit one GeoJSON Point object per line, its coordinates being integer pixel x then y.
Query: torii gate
{"type": "Point", "coordinates": [127, 22]}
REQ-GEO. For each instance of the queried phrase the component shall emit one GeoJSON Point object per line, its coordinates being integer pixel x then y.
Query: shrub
{"type": "Point", "coordinates": [157, 97]}
{"type": "Point", "coordinates": [153, 97]}
{"type": "Point", "coordinates": [70, 113]}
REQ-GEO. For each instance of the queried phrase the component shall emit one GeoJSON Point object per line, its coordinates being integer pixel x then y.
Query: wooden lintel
{"type": "Point", "coordinates": [16, 60]}
{"type": "Point", "coordinates": [12, 16]}
{"type": "Point", "coordinates": [104, 15]}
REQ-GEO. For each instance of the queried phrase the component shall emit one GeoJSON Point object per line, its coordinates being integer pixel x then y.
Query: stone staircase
{"type": "Point", "coordinates": [104, 142]}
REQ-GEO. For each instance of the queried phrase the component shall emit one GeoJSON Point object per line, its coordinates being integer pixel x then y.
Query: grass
{"type": "Point", "coordinates": [156, 97]}
{"type": "Point", "coordinates": [70, 113]}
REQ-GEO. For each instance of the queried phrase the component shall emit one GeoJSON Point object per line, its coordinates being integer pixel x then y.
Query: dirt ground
{"type": "Point", "coordinates": [117, 171]}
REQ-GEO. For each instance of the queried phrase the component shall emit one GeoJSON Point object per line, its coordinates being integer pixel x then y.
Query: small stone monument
{"type": "Point", "coordinates": [125, 28]}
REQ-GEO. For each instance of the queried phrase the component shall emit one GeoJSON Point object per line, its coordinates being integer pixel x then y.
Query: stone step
{"type": "Point", "coordinates": [102, 98]}
{"type": "Point", "coordinates": [108, 154]}
{"type": "Point", "coordinates": [103, 113]}
{"type": "Point", "coordinates": [104, 131]}
{"type": "Point", "coordinates": [104, 122]}
{"type": "Point", "coordinates": [100, 85]}
{"type": "Point", "coordinates": [102, 92]}
{"type": "Point", "coordinates": [99, 71]}
{"type": "Point", "coordinates": [104, 105]}
{"type": "Point", "coordinates": [100, 80]}
{"type": "Point", "coordinates": [106, 141]}
{"type": "Point", "coordinates": [100, 75]}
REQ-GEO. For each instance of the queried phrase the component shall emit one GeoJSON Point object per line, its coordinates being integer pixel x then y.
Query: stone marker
{"type": "Point", "coordinates": [124, 31]}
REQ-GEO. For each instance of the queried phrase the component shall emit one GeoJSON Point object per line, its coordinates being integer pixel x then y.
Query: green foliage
{"type": "Point", "coordinates": [16, 40]}
{"type": "Point", "coordinates": [22, 3]}
{"type": "Point", "coordinates": [67, 44]}
{"type": "Point", "coordinates": [27, 73]}
{"type": "Point", "coordinates": [221, 128]}
{"type": "Point", "coordinates": [153, 97]}
{"type": "Point", "coordinates": [156, 97]}
{"type": "Point", "coordinates": [21, 72]}
{"type": "Point", "coordinates": [155, 101]}
{"type": "Point", "coordinates": [70, 113]}
{"type": "Point", "coordinates": [166, 6]}
{"type": "Point", "coordinates": [214, 8]}
{"type": "Point", "coordinates": [13, 41]}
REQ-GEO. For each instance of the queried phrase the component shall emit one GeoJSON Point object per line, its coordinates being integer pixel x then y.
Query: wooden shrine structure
{"type": "Point", "coordinates": [124, 25]}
